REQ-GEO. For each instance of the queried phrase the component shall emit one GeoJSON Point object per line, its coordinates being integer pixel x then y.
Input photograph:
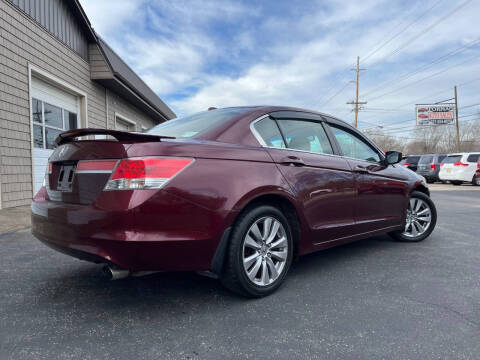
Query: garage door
{"type": "Point", "coordinates": [53, 111]}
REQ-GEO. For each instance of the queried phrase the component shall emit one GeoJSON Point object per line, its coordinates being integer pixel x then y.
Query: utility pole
{"type": "Point", "coordinates": [356, 102]}
{"type": "Point", "coordinates": [456, 119]}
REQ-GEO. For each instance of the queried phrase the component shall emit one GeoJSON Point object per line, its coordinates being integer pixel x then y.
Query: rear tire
{"type": "Point", "coordinates": [260, 252]}
{"type": "Point", "coordinates": [421, 208]}
{"type": "Point", "coordinates": [476, 180]}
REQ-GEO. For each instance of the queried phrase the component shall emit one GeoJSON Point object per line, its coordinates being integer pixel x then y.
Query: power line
{"type": "Point", "coordinates": [410, 138]}
{"type": "Point", "coordinates": [421, 33]}
{"type": "Point", "coordinates": [418, 18]}
{"type": "Point", "coordinates": [402, 121]}
{"type": "Point", "coordinates": [433, 94]}
{"type": "Point", "coordinates": [425, 66]}
{"type": "Point", "coordinates": [415, 127]}
{"type": "Point", "coordinates": [336, 94]}
{"type": "Point", "coordinates": [425, 78]}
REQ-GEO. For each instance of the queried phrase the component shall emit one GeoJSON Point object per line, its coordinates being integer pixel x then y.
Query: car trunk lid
{"type": "Point", "coordinates": [79, 169]}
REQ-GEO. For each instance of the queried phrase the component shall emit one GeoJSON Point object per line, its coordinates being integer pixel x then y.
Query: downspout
{"type": "Point", "coordinates": [106, 108]}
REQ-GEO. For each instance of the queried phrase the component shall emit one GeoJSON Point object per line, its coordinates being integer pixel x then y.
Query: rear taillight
{"type": "Point", "coordinates": [145, 173]}
{"type": "Point", "coordinates": [49, 168]}
{"type": "Point", "coordinates": [478, 164]}
{"type": "Point", "coordinates": [406, 164]}
{"type": "Point", "coordinates": [433, 166]}
{"type": "Point", "coordinates": [459, 163]}
{"type": "Point", "coordinates": [441, 164]}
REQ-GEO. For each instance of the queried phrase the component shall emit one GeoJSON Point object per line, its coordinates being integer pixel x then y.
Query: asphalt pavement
{"type": "Point", "coordinates": [373, 299]}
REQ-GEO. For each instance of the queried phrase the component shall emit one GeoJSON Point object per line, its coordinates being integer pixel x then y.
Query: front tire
{"type": "Point", "coordinates": [420, 220]}
{"type": "Point", "coordinates": [260, 252]}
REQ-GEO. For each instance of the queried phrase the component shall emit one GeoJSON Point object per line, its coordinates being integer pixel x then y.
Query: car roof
{"type": "Point", "coordinates": [275, 108]}
{"type": "Point", "coordinates": [257, 111]}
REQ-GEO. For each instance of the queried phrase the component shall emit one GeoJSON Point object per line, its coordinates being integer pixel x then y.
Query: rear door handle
{"type": "Point", "coordinates": [361, 169]}
{"type": "Point", "coordinates": [292, 160]}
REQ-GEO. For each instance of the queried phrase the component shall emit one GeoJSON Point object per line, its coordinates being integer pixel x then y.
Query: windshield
{"type": "Point", "coordinates": [193, 125]}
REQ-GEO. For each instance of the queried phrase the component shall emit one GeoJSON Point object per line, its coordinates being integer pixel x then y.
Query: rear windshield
{"type": "Point", "coordinates": [426, 160]}
{"type": "Point", "coordinates": [412, 159]}
{"type": "Point", "coordinates": [452, 159]}
{"type": "Point", "coordinates": [473, 158]}
{"type": "Point", "coordinates": [193, 125]}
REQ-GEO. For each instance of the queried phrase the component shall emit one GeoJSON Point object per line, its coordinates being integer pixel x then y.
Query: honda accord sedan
{"type": "Point", "coordinates": [237, 193]}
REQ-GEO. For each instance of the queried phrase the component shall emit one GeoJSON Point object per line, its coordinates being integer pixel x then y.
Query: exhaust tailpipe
{"type": "Point", "coordinates": [115, 273]}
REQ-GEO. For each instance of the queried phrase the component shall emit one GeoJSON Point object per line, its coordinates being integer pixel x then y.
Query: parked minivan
{"type": "Point", "coordinates": [459, 168]}
{"type": "Point", "coordinates": [429, 166]}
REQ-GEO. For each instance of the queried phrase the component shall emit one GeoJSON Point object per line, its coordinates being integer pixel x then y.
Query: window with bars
{"type": "Point", "coordinates": [48, 122]}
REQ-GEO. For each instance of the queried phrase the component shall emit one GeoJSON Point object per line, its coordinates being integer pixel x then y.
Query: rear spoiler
{"type": "Point", "coordinates": [70, 135]}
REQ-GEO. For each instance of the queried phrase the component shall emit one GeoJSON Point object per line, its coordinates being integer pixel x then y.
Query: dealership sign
{"type": "Point", "coordinates": [436, 114]}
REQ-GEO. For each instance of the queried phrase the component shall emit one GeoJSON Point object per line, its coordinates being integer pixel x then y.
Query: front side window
{"type": "Point", "coordinates": [353, 147]}
{"type": "Point", "coordinates": [48, 122]}
{"type": "Point", "coordinates": [196, 124]}
{"type": "Point", "coordinates": [268, 131]}
{"type": "Point", "coordinates": [306, 136]}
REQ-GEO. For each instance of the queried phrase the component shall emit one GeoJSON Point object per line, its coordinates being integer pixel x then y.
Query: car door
{"type": "Point", "coordinates": [381, 190]}
{"type": "Point", "coordinates": [323, 183]}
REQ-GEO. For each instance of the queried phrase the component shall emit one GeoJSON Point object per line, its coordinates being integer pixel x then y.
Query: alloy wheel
{"type": "Point", "coordinates": [265, 251]}
{"type": "Point", "coordinates": [419, 218]}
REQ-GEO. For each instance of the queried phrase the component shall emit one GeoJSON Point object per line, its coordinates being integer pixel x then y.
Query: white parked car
{"type": "Point", "coordinates": [459, 168]}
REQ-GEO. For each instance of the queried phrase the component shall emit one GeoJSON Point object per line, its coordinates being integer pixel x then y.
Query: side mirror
{"type": "Point", "coordinates": [392, 157]}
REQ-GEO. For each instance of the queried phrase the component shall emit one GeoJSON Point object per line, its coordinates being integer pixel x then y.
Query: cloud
{"type": "Point", "coordinates": [298, 53]}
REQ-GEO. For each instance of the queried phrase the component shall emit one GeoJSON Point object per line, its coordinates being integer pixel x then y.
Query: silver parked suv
{"type": "Point", "coordinates": [429, 166]}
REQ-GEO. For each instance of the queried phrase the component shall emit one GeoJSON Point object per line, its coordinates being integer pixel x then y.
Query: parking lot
{"type": "Point", "coordinates": [374, 299]}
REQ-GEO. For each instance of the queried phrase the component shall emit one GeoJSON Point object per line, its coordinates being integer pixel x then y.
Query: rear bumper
{"type": "Point", "coordinates": [456, 176]}
{"type": "Point", "coordinates": [433, 175]}
{"type": "Point", "coordinates": [135, 230]}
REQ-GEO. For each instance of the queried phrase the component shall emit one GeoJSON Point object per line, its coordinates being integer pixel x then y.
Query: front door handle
{"type": "Point", "coordinates": [361, 169]}
{"type": "Point", "coordinates": [292, 161]}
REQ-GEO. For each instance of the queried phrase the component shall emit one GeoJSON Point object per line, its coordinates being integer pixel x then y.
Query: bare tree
{"type": "Point", "coordinates": [384, 141]}
{"type": "Point", "coordinates": [442, 139]}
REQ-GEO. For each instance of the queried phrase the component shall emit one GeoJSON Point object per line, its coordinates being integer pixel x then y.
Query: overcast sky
{"type": "Point", "coordinates": [196, 54]}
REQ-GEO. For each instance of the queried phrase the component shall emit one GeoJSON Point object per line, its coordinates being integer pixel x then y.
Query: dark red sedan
{"type": "Point", "coordinates": [238, 192]}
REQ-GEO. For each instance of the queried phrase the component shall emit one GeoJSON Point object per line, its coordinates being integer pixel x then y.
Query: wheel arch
{"type": "Point", "coordinates": [421, 188]}
{"type": "Point", "coordinates": [283, 201]}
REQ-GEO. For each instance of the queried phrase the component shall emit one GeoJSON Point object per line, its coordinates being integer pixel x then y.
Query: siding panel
{"type": "Point", "coordinates": [24, 42]}
{"type": "Point", "coordinates": [55, 16]}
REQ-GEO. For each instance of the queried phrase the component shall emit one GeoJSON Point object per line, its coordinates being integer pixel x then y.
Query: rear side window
{"type": "Point", "coordinates": [441, 157]}
{"type": "Point", "coordinates": [452, 159]}
{"type": "Point", "coordinates": [269, 132]}
{"type": "Point", "coordinates": [426, 160]}
{"type": "Point", "coordinates": [306, 136]}
{"type": "Point", "coordinates": [353, 147]}
{"type": "Point", "coordinates": [473, 158]}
